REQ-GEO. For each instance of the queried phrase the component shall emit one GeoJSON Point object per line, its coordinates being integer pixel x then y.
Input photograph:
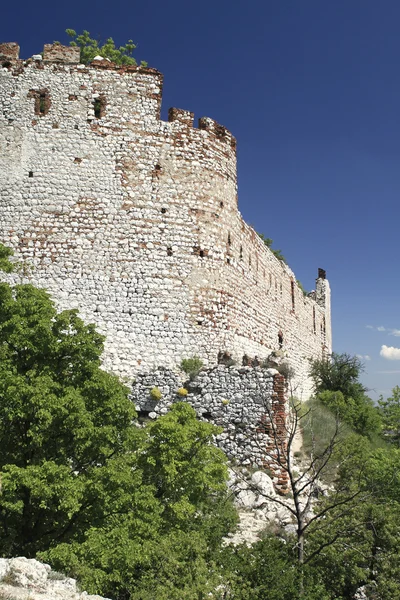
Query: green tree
{"type": "Point", "coordinates": [338, 373]}
{"type": "Point", "coordinates": [64, 423]}
{"type": "Point", "coordinates": [91, 47]}
{"type": "Point", "coordinates": [169, 546]}
{"type": "Point", "coordinates": [268, 570]}
{"type": "Point", "coordinates": [337, 386]}
{"type": "Point", "coordinates": [81, 485]}
{"type": "Point", "coordinates": [359, 544]}
{"type": "Point", "coordinates": [390, 412]}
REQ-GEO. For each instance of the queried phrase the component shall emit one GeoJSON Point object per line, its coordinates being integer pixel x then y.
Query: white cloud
{"type": "Point", "coordinates": [390, 352]}
{"type": "Point", "coordinates": [363, 356]}
{"type": "Point", "coordinates": [381, 328]}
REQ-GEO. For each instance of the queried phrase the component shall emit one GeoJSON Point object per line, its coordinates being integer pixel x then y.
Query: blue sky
{"type": "Point", "coordinates": [311, 90]}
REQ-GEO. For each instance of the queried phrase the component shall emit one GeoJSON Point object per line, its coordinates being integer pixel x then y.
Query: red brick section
{"type": "Point", "coordinates": [60, 53]}
{"type": "Point", "coordinates": [277, 435]}
{"type": "Point", "coordinates": [9, 51]}
{"type": "Point", "coordinates": [183, 116]}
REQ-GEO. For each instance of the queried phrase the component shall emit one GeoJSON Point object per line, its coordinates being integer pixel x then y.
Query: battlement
{"type": "Point", "coordinates": [143, 82]}
{"type": "Point", "coordinates": [9, 51]}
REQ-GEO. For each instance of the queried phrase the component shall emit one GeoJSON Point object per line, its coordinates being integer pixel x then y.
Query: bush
{"type": "Point", "coordinates": [182, 392]}
{"type": "Point", "coordinates": [155, 394]}
{"type": "Point", "coordinates": [192, 366]}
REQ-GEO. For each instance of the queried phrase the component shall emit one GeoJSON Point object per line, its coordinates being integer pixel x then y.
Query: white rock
{"type": "Point", "coordinates": [246, 498]}
{"type": "Point", "coordinates": [263, 483]}
{"type": "Point", "coordinates": [28, 572]}
{"type": "Point", "coordinates": [4, 567]}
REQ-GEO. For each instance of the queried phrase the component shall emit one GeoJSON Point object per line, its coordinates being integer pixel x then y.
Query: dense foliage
{"type": "Point", "coordinates": [389, 410]}
{"type": "Point", "coordinates": [91, 47]}
{"type": "Point", "coordinates": [81, 484]}
{"type": "Point", "coordinates": [140, 512]}
{"type": "Point", "coordinates": [337, 386]}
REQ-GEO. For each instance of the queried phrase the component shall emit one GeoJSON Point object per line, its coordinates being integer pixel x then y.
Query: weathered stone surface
{"type": "Point", "coordinates": [28, 579]}
{"type": "Point", "coordinates": [134, 221]}
{"type": "Point", "coordinates": [263, 483]}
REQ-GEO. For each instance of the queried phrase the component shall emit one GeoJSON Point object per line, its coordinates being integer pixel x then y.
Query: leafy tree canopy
{"type": "Point", "coordinates": [91, 47]}
{"type": "Point", "coordinates": [390, 413]}
{"type": "Point", "coordinates": [337, 386]}
{"type": "Point", "coordinates": [82, 485]}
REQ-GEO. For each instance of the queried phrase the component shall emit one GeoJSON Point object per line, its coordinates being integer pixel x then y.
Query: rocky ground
{"type": "Point", "coordinates": [258, 506]}
{"type": "Point", "coordinates": [28, 579]}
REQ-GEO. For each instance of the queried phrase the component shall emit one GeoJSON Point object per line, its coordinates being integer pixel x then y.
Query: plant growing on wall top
{"type": "Point", "coordinates": [268, 242]}
{"type": "Point", "coordinates": [91, 48]}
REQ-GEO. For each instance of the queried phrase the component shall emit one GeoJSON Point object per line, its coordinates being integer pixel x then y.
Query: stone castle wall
{"type": "Point", "coordinates": [135, 222]}
{"type": "Point", "coordinates": [242, 401]}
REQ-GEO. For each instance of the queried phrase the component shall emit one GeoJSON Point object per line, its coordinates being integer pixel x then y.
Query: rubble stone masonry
{"type": "Point", "coordinates": [134, 221]}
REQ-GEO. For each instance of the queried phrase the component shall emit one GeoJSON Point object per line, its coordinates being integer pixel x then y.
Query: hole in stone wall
{"type": "Point", "coordinates": [292, 293]}
{"type": "Point", "coordinates": [157, 167]}
{"type": "Point", "coordinates": [206, 415]}
{"type": "Point", "coordinates": [228, 260]}
{"type": "Point", "coordinates": [229, 239]}
{"type": "Point", "coordinates": [280, 339]}
{"type": "Point", "coordinates": [142, 415]}
{"type": "Point", "coordinates": [241, 253]}
{"type": "Point", "coordinates": [169, 251]}
{"type": "Point", "coordinates": [30, 174]}
{"type": "Point", "coordinates": [99, 106]}
{"type": "Point", "coordinates": [197, 250]}
{"type": "Point", "coordinates": [221, 204]}
{"type": "Point", "coordinates": [6, 64]}
{"type": "Point", "coordinates": [42, 103]}
{"type": "Point", "coordinates": [163, 210]}
{"type": "Point", "coordinates": [314, 324]}
{"type": "Point", "coordinates": [76, 127]}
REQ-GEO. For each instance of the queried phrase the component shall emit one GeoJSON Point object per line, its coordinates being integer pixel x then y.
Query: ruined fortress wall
{"type": "Point", "coordinates": [135, 222]}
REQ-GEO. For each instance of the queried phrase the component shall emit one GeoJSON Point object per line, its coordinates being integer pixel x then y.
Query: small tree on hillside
{"type": "Point", "coordinates": [389, 410]}
{"type": "Point", "coordinates": [320, 466]}
{"type": "Point", "coordinates": [337, 386]}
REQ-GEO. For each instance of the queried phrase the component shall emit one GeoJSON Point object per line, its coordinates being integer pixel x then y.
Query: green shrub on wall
{"type": "Point", "coordinates": [192, 366]}
{"type": "Point", "coordinates": [155, 393]}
